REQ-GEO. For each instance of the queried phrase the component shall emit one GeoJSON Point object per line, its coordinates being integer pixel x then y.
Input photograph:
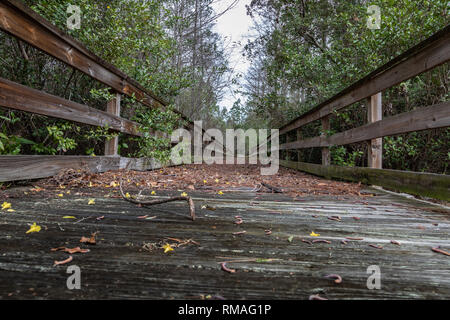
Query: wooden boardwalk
{"type": "Point", "coordinates": [270, 266]}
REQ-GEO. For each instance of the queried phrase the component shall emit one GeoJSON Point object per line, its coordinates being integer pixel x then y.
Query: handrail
{"type": "Point", "coordinates": [425, 56]}
{"type": "Point", "coordinates": [22, 22]}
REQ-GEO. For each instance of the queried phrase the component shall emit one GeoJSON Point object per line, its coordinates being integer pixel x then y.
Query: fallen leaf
{"type": "Point", "coordinates": [6, 205]}
{"type": "Point", "coordinates": [57, 263]}
{"type": "Point", "coordinates": [90, 240]}
{"type": "Point", "coordinates": [34, 228]}
{"type": "Point", "coordinates": [291, 238]}
{"type": "Point", "coordinates": [438, 250]}
{"type": "Point", "coordinates": [313, 234]}
{"type": "Point", "coordinates": [71, 251]}
{"type": "Point", "coordinates": [184, 194]}
{"type": "Point", "coordinates": [224, 268]}
{"type": "Point", "coordinates": [69, 217]}
{"type": "Point", "coordinates": [91, 202]}
{"type": "Point", "coordinates": [167, 248]}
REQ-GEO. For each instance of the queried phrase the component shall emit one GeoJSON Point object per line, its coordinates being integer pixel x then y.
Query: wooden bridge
{"type": "Point", "coordinates": [290, 243]}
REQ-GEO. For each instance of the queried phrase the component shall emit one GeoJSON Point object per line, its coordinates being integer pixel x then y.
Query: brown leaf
{"type": "Point", "coordinates": [71, 251]}
{"type": "Point", "coordinates": [58, 263]}
{"type": "Point", "coordinates": [90, 240]}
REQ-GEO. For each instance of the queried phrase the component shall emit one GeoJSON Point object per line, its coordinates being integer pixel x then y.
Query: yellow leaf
{"type": "Point", "coordinates": [127, 195]}
{"type": "Point", "coordinates": [34, 228]}
{"type": "Point", "coordinates": [114, 184]}
{"type": "Point", "coordinates": [91, 201]}
{"type": "Point", "coordinates": [204, 181]}
{"type": "Point", "coordinates": [69, 217]}
{"type": "Point", "coordinates": [167, 248]}
{"type": "Point", "coordinates": [313, 234]}
{"type": "Point", "coordinates": [60, 195]}
{"type": "Point", "coordinates": [6, 205]}
{"type": "Point", "coordinates": [220, 193]}
{"type": "Point", "coordinates": [184, 194]}
{"type": "Point", "coordinates": [62, 187]}
{"type": "Point", "coordinates": [153, 193]}
{"type": "Point", "coordinates": [11, 210]}
{"type": "Point", "coordinates": [217, 180]}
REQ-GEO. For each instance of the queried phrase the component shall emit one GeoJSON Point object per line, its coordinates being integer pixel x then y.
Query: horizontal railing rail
{"type": "Point", "coordinates": [423, 57]}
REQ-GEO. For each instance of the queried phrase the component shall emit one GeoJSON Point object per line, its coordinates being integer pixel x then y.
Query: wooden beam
{"type": "Point", "coordinates": [14, 168]}
{"type": "Point", "coordinates": [112, 145]}
{"type": "Point", "coordinates": [326, 156]}
{"type": "Point", "coordinates": [423, 118]}
{"type": "Point", "coordinates": [417, 183]}
{"type": "Point", "coordinates": [427, 55]}
{"type": "Point", "coordinates": [16, 96]}
{"type": "Point", "coordinates": [299, 138]}
{"type": "Point", "coordinates": [375, 146]}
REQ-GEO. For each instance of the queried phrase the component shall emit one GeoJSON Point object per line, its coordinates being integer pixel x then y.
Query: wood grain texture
{"type": "Point", "coordinates": [432, 117]}
{"type": "Point", "coordinates": [16, 96]}
{"type": "Point", "coordinates": [112, 145]}
{"type": "Point", "coordinates": [417, 183]}
{"type": "Point", "coordinates": [326, 156]}
{"type": "Point", "coordinates": [425, 56]}
{"type": "Point", "coordinates": [375, 146]}
{"type": "Point", "coordinates": [15, 168]}
{"type": "Point", "coordinates": [118, 267]}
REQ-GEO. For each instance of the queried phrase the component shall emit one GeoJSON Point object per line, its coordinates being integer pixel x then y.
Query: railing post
{"type": "Point", "coordinates": [375, 147]}
{"type": "Point", "coordinates": [326, 157]}
{"type": "Point", "coordinates": [113, 107]}
{"type": "Point", "coordinates": [299, 151]}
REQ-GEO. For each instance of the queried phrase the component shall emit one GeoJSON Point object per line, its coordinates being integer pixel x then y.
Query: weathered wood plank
{"type": "Point", "coordinates": [432, 117]}
{"type": "Point", "coordinates": [425, 56]}
{"type": "Point", "coordinates": [267, 267]}
{"type": "Point", "coordinates": [417, 183]}
{"type": "Point", "coordinates": [14, 168]}
{"type": "Point", "coordinates": [112, 145]}
{"type": "Point", "coordinates": [375, 147]}
{"type": "Point", "coordinates": [16, 96]}
{"type": "Point", "coordinates": [326, 155]}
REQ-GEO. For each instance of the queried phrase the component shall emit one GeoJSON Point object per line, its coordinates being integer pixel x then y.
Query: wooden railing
{"type": "Point", "coordinates": [427, 55]}
{"type": "Point", "coordinates": [23, 23]}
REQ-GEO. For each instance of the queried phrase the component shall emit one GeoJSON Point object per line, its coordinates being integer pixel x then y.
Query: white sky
{"type": "Point", "coordinates": [234, 25]}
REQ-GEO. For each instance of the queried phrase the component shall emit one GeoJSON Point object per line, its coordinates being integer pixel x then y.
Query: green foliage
{"type": "Point", "coordinates": [131, 35]}
{"type": "Point", "coordinates": [341, 157]}
{"type": "Point", "coordinates": [153, 121]}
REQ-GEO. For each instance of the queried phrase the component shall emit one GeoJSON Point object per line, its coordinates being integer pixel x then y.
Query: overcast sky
{"type": "Point", "coordinates": [235, 25]}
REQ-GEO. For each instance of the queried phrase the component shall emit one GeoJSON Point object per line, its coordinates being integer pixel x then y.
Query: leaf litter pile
{"type": "Point", "coordinates": [217, 179]}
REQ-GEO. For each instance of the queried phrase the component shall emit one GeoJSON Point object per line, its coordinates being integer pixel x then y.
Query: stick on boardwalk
{"type": "Point", "coordinates": [270, 267]}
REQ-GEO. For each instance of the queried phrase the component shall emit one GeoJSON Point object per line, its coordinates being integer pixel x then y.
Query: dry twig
{"type": "Point", "coordinates": [161, 201]}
